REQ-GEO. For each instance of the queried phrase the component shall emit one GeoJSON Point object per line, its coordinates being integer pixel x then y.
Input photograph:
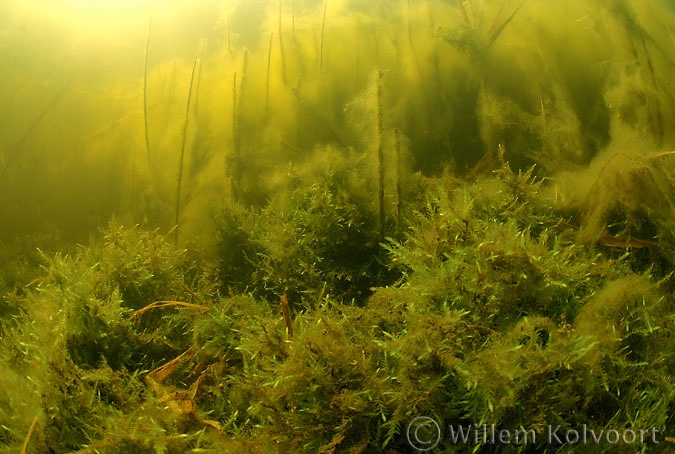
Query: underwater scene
{"type": "Point", "coordinates": [337, 226]}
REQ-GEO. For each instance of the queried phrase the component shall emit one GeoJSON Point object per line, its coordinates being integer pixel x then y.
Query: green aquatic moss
{"type": "Point", "coordinates": [310, 241]}
{"type": "Point", "coordinates": [470, 290]}
{"type": "Point", "coordinates": [498, 317]}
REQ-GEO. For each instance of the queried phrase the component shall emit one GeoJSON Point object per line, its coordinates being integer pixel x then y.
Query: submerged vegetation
{"type": "Point", "coordinates": [320, 220]}
{"type": "Point", "coordinates": [498, 316]}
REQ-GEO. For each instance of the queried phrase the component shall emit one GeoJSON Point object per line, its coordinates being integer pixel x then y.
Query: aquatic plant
{"type": "Point", "coordinates": [507, 320]}
{"type": "Point", "coordinates": [500, 317]}
{"type": "Point", "coordinates": [323, 33]}
{"type": "Point", "coordinates": [179, 179]}
{"type": "Point", "coordinates": [320, 309]}
{"type": "Point", "coordinates": [603, 199]}
{"type": "Point", "coordinates": [145, 89]}
{"type": "Point", "coordinates": [309, 241]}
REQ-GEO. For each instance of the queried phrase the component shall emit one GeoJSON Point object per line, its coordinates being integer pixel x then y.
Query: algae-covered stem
{"type": "Point", "coordinates": [235, 141]}
{"type": "Point", "coordinates": [281, 48]}
{"type": "Point", "coordinates": [267, 80]}
{"type": "Point", "coordinates": [199, 80]}
{"type": "Point", "coordinates": [380, 153]}
{"type": "Point", "coordinates": [236, 130]}
{"type": "Point", "coordinates": [145, 110]}
{"type": "Point", "coordinates": [397, 160]}
{"type": "Point", "coordinates": [182, 147]}
{"type": "Point", "coordinates": [323, 32]}
{"type": "Point", "coordinates": [145, 89]}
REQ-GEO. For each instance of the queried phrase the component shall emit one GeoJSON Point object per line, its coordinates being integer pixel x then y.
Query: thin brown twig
{"type": "Point", "coordinates": [158, 304]}
{"type": "Point", "coordinates": [165, 370]}
{"type": "Point", "coordinates": [194, 295]}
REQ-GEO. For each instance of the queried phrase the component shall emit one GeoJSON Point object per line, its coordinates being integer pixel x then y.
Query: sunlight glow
{"type": "Point", "coordinates": [90, 16]}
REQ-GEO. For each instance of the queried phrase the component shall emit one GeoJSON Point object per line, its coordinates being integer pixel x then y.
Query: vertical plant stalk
{"type": "Point", "coordinates": [637, 36]}
{"type": "Point", "coordinates": [182, 147]}
{"type": "Point", "coordinates": [267, 80]}
{"type": "Point", "coordinates": [132, 189]}
{"type": "Point", "coordinates": [199, 77]}
{"type": "Point", "coordinates": [543, 114]}
{"type": "Point", "coordinates": [323, 33]}
{"type": "Point", "coordinates": [145, 90]}
{"type": "Point", "coordinates": [281, 48]}
{"type": "Point", "coordinates": [234, 112]}
{"type": "Point", "coordinates": [380, 153]}
{"type": "Point", "coordinates": [397, 159]}
{"type": "Point", "coordinates": [237, 97]}
{"type": "Point", "coordinates": [242, 88]}
{"type": "Point", "coordinates": [287, 314]}
{"type": "Point", "coordinates": [235, 141]}
{"type": "Point", "coordinates": [654, 108]}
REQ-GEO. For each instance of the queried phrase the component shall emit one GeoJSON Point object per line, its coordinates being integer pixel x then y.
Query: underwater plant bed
{"type": "Point", "coordinates": [495, 317]}
{"type": "Point", "coordinates": [337, 226]}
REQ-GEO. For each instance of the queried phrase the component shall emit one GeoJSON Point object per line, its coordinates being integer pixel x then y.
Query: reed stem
{"type": "Point", "coordinates": [380, 153]}
{"type": "Point", "coordinates": [182, 147]}
{"type": "Point", "coordinates": [237, 96]}
{"type": "Point", "coordinates": [397, 159]}
{"type": "Point", "coordinates": [235, 140]}
{"type": "Point", "coordinates": [267, 81]}
{"type": "Point", "coordinates": [281, 48]}
{"type": "Point", "coordinates": [145, 90]}
{"type": "Point", "coordinates": [323, 33]}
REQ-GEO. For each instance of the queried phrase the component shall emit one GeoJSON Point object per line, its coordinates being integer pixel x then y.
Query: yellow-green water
{"type": "Point", "coordinates": [468, 205]}
{"type": "Point", "coordinates": [555, 83]}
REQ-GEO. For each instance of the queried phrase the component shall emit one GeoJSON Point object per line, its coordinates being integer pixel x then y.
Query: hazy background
{"type": "Point", "coordinates": [280, 83]}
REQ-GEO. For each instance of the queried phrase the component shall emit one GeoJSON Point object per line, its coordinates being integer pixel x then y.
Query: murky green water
{"type": "Point", "coordinates": [469, 206]}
